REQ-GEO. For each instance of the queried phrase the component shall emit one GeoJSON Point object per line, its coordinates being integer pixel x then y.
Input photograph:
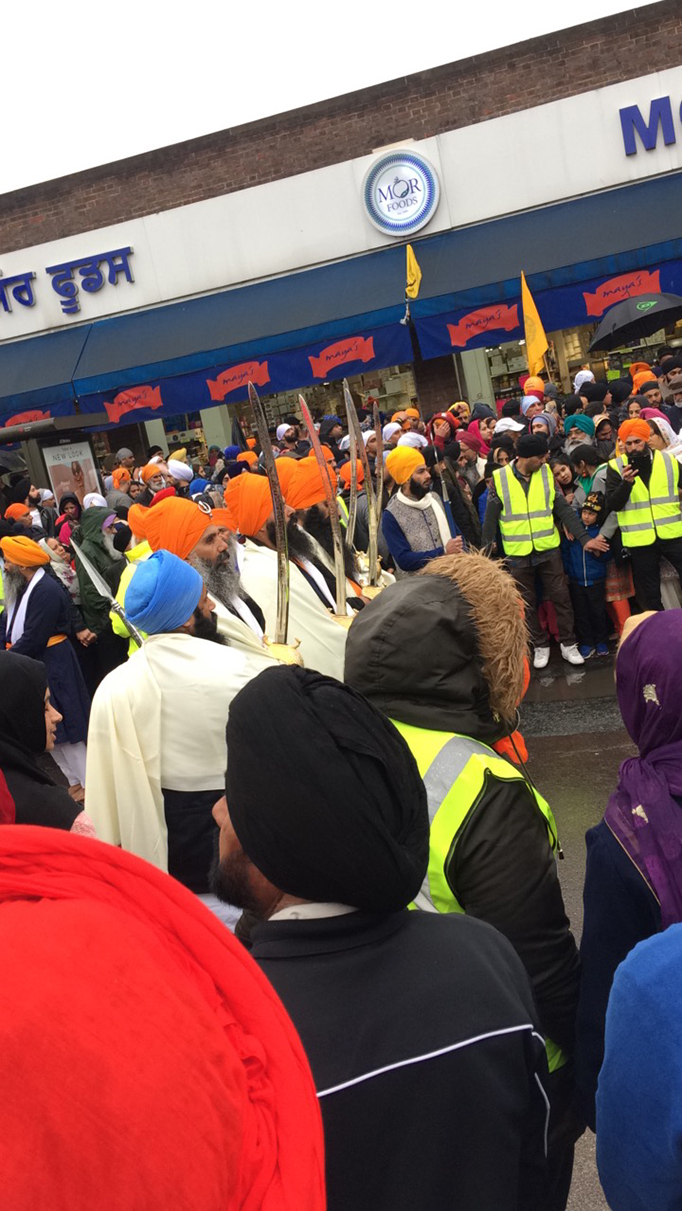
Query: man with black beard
{"type": "Point", "coordinates": [414, 522]}
{"type": "Point", "coordinates": [305, 493]}
{"type": "Point", "coordinates": [642, 488]}
{"type": "Point", "coordinates": [249, 512]}
{"type": "Point", "coordinates": [157, 750]}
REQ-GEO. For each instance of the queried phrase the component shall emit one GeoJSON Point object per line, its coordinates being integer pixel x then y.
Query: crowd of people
{"type": "Point", "coordinates": [374, 765]}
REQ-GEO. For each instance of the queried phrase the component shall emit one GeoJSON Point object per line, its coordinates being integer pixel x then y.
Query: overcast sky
{"type": "Point", "coordinates": [88, 82]}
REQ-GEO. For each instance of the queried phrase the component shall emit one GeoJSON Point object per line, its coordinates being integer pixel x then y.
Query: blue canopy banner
{"type": "Point", "coordinates": [325, 361]}
{"type": "Point", "coordinates": [561, 307]}
{"type": "Point", "coordinates": [27, 416]}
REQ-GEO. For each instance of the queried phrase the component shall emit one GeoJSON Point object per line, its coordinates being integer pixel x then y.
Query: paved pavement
{"type": "Point", "coordinates": [576, 743]}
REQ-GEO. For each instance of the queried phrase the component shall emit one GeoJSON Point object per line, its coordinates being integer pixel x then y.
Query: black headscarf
{"type": "Point", "coordinates": [324, 794]}
{"type": "Point", "coordinates": [38, 800]}
{"type": "Point", "coordinates": [70, 498]}
{"type": "Point", "coordinates": [20, 490]}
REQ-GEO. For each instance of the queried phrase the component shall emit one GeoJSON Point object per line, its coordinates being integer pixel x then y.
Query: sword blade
{"type": "Point", "coordinates": [330, 496]}
{"type": "Point", "coordinates": [282, 621]}
{"type": "Point", "coordinates": [353, 421]}
{"type": "Point", "coordinates": [379, 463]}
{"type": "Point", "coordinates": [353, 501]}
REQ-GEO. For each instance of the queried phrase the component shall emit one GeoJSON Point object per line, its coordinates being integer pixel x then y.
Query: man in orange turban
{"type": "Point", "coordinates": [345, 472]}
{"type": "Point", "coordinates": [642, 488]}
{"type": "Point", "coordinates": [249, 511]}
{"type": "Point", "coordinates": [414, 522]}
{"type": "Point", "coordinates": [118, 498]}
{"type": "Point", "coordinates": [37, 622]}
{"type": "Point", "coordinates": [249, 457]}
{"type": "Point", "coordinates": [307, 494]}
{"type": "Point", "coordinates": [19, 513]}
{"type": "Point", "coordinates": [183, 1084]}
{"type": "Point", "coordinates": [192, 533]}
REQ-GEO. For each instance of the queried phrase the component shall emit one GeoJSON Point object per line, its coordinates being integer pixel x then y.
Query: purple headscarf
{"type": "Point", "coordinates": [642, 813]}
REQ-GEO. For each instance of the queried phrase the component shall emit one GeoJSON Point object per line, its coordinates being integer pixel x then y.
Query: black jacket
{"type": "Point", "coordinates": [419, 1033]}
{"type": "Point", "coordinates": [502, 869]}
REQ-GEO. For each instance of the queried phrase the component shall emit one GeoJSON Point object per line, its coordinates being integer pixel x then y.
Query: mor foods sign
{"type": "Point", "coordinates": [400, 192]}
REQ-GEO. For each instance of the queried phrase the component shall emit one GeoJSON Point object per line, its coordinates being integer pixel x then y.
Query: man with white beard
{"type": "Point", "coordinates": [195, 535]}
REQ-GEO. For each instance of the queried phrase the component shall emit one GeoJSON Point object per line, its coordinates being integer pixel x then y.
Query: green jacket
{"type": "Point", "coordinates": [95, 609]}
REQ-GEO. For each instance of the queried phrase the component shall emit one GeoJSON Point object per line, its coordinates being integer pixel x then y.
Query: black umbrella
{"type": "Point", "coordinates": [636, 318]}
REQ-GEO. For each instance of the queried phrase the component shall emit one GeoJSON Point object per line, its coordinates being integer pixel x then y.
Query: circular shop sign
{"type": "Point", "coordinates": [400, 192]}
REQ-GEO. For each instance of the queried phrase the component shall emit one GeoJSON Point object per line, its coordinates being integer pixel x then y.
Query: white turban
{"type": "Point", "coordinates": [344, 444]}
{"type": "Point", "coordinates": [415, 440]}
{"type": "Point", "coordinates": [178, 470]}
{"type": "Point", "coordinates": [367, 433]}
{"type": "Point", "coordinates": [281, 430]}
{"type": "Point", "coordinates": [93, 498]}
{"type": "Point", "coordinates": [583, 376]}
{"type": "Point", "coordinates": [389, 431]}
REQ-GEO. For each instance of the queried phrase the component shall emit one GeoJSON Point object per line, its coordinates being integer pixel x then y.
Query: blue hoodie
{"type": "Point", "coordinates": [581, 566]}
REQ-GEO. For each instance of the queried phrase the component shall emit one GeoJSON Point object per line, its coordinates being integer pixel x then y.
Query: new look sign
{"type": "Point", "coordinates": [400, 192]}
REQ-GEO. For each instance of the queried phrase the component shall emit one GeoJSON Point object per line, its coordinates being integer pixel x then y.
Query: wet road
{"type": "Point", "coordinates": [576, 743]}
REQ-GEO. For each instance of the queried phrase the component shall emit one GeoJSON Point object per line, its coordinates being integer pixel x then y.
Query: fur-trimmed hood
{"type": "Point", "coordinates": [443, 650]}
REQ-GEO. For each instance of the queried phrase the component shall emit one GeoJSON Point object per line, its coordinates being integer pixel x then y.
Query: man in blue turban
{"type": "Point", "coordinates": [156, 744]}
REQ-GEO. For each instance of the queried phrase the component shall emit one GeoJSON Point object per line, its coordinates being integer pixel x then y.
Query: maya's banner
{"type": "Point", "coordinates": [28, 416]}
{"type": "Point", "coordinates": [288, 370]}
{"type": "Point", "coordinates": [570, 306]}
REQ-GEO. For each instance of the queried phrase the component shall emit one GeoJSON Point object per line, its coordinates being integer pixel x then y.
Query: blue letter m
{"type": "Point", "coordinates": [632, 121]}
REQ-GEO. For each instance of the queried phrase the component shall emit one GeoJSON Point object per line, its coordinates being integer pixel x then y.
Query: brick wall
{"type": "Point", "coordinates": [503, 81]}
{"type": "Point", "coordinates": [436, 384]}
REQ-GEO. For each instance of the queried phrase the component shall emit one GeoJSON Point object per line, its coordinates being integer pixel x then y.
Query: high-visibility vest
{"type": "Point", "coordinates": [526, 521]}
{"type": "Point", "coordinates": [454, 769]}
{"type": "Point", "coordinates": [343, 511]}
{"type": "Point", "coordinates": [653, 510]}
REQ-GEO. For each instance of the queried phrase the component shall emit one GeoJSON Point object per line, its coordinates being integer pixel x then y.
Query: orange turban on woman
{"type": "Point", "coordinates": [196, 1091]}
{"type": "Point", "coordinates": [306, 487]}
{"type": "Point", "coordinates": [248, 504]}
{"type": "Point", "coordinates": [120, 476]}
{"type": "Point", "coordinates": [174, 525]}
{"type": "Point", "coordinates": [634, 428]}
{"type": "Point", "coordinates": [23, 551]}
{"type": "Point", "coordinates": [247, 456]}
{"type": "Point", "coordinates": [14, 512]}
{"type": "Point", "coordinates": [403, 462]}
{"type": "Point", "coordinates": [344, 473]}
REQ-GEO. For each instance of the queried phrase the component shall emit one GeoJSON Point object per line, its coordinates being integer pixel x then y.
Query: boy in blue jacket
{"type": "Point", "coordinates": [586, 573]}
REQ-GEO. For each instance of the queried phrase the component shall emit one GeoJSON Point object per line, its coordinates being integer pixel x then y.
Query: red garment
{"type": "Point", "coordinates": [145, 1060]}
{"type": "Point", "coordinates": [7, 814]}
{"type": "Point", "coordinates": [475, 428]}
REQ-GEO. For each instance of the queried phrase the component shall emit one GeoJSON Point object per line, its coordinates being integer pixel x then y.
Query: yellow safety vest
{"type": "Point", "coordinates": [343, 511]}
{"type": "Point", "coordinates": [652, 511]}
{"type": "Point", "coordinates": [526, 522]}
{"type": "Point", "coordinates": [454, 770]}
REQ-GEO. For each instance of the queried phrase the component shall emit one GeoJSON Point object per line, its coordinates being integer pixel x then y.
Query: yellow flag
{"type": "Point", "coordinates": [536, 341]}
{"type": "Point", "coordinates": [414, 274]}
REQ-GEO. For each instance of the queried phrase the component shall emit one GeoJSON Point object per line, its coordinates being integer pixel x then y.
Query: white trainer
{"type": "Point", "coordinates": [570, 652]}
{"type": "Point", "coordinates": [541, 658]}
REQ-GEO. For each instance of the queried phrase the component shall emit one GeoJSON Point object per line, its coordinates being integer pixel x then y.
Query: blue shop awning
{"type": "Point", "coordinates": [36, 374]}
{"type": "Point", "coordinates": [343, 318]}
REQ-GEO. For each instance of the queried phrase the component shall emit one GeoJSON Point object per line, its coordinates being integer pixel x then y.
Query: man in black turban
{"type": "Point", "coordinates": [419, 1027]}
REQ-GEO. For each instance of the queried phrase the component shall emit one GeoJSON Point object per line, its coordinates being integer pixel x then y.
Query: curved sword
{"type": "Point", "coordinates": [379, 463]}
{"type": "Point", "coordinates": [330, 497]}
{"type": "Point", "coordinates": [353, 501]}
{"type": "Point", "coordinates": [282, 620]}
{"type": "Point", "coordinates": [369, 486]}
{"type": "Point", "coordinates": [104, 591]}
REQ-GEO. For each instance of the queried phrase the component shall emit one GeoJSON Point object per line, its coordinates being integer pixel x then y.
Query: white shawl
{"type": "Point", "coordinates": [323, 641]}
{"type": "Point", "coordinates": [158, 721]}
{"type": "Point", "coordinates": [18, 623]}
{"type": "Point", "coordinates": [430, 501]}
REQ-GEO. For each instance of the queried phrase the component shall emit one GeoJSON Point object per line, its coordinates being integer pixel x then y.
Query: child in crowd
{"type": "Point", "coordinates": [586, 573]}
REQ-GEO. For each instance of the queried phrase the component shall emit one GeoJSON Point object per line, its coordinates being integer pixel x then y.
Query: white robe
{"type": "Point", "coordinates": [158, 721]}
{"type": "Point", "coordinates": [323, 641]}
